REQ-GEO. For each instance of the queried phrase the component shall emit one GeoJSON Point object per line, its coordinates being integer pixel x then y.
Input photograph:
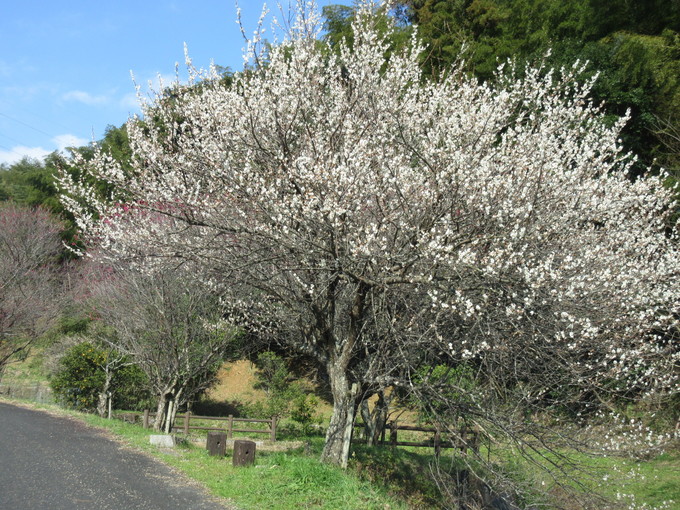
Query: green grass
{"type": "Point", "coordinates": [278, 480]}
{"type": "Point", "coordinates": [29, 372]}
{"type": "Point", "coordinates": [653, 482]}
{"type": "Point", "coordinates": [602, 482]}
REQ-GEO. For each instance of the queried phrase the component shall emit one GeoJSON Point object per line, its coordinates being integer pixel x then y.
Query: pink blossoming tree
{"type": "Point", "coordinates": [29, 250]}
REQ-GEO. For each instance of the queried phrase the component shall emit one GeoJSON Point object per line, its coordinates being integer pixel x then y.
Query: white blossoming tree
{"type": "Point", "coordinates": [375, 220]}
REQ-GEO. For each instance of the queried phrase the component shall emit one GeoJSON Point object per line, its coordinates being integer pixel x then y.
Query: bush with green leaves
{"type": "Point", "coordinates": [82, 375]}
{"type": "Point", "coordinates": [275, 379]}
{"type": "Point", "coordinates": [286, 397]}
{"type": "Point", "coordinates": [304, 411]}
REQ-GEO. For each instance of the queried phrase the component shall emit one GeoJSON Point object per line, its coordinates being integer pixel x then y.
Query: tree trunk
{"type": "Point", "coordinates": [375, 420]}
{"type": "Point", "coordinates": [170, 414]}
{"type": "Point", "coordinates": [168, 402]}
{"type": "Point", "coordinates": [101, 403]}
{"type": "Point", "coordinates": [339, 434]}
{"type": "Point", "coordinates": [172, 409]}
{"type": "Point", "coordinates": [161, 411]}
{"type": "Point", "coordinates": [104, 395]}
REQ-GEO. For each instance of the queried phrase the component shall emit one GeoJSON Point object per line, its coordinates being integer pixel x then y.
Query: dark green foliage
{"type": "Point", "coordinates": [117, 143]}
{"type": "Point", "coordinates": [454, 384]}
{"type": "Point", "coordinates": [81, 377]}
{"type": "Point", "coordinates": [31, 183]}
{"type": "Point", "coordinates": [70, 324]}
{"type": "Point", "coordinates": [339, 19]}
{"type": "Point", "coordinates": [338, 23]}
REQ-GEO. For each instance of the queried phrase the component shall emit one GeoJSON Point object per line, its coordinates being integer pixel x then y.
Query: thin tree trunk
{"type": "Point", "coordinates": [169, 414]}
{"type": "Point", "coordinates": [173, 404]}
{"type": "Point", "coordinates": [159, 422]}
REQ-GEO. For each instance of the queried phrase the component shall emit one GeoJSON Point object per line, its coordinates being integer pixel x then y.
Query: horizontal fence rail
{"type": "Point", "coordinates": [466, 439]}
{"type": "Point", "coordinates": [186, 426]}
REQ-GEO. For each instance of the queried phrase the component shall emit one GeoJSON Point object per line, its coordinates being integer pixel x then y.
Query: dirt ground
{"type": "Point", "coordinates": [235, 382]}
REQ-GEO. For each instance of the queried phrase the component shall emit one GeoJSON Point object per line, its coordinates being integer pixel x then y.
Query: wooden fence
{"type": "Point", "coordinates": [466, 439]}
{"type": "Point", "coordinates": [183, 423]}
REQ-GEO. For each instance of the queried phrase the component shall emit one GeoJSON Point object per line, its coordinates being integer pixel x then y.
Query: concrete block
{"type": "Point", "coordinates": [164, 441]}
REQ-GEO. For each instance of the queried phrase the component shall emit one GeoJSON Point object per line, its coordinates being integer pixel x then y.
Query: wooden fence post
{"type": "Point", "coordinates": [273, 429]}
{"type": "Point", "coordinates": [230, 426]}
{"type": "Point", "coordinates": [146, 419]}
{"type": "Point", "coordinates": [437, 443]}
{"type": "Point", "coordinates": [187, 417]}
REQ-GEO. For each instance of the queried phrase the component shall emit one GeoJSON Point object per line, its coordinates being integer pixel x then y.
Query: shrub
{"type": "Point", "coordinates": [304, 411]}
{"type": "Point", "coordinates": [81, 377]}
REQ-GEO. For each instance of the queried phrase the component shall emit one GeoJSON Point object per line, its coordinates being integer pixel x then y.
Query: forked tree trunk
{"type": "Point", "coordinates": [161, 410]}
{"type": "Point", "coordinates": [375, 420]}
{"type": "Point", "coordinates": [167, 410]}
{"type": "Point", "coordinates": [339, 434]}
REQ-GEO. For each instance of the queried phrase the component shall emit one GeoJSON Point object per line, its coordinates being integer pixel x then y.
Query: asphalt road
{"type": "Point", "coordinates": [54, 463]}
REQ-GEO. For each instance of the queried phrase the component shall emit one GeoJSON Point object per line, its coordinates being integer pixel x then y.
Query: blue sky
{"type": "Point", "coordinates": [65, 66]}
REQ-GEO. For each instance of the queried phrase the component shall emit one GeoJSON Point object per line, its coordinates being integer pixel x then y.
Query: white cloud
{"type": "Point", "coordinates": [19, 152]}
{"type": "Point", "coordinates": [60, 142]}
{"type": "Point", "coordinates": [64, 141]}
{"type": "Point", "coordinates": [85, 97]}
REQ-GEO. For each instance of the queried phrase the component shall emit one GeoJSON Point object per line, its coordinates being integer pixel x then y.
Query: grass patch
{"type": "Point", "coordinates": [654, 482]}
{"type": "Point", "coordinates": [597, 481]}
